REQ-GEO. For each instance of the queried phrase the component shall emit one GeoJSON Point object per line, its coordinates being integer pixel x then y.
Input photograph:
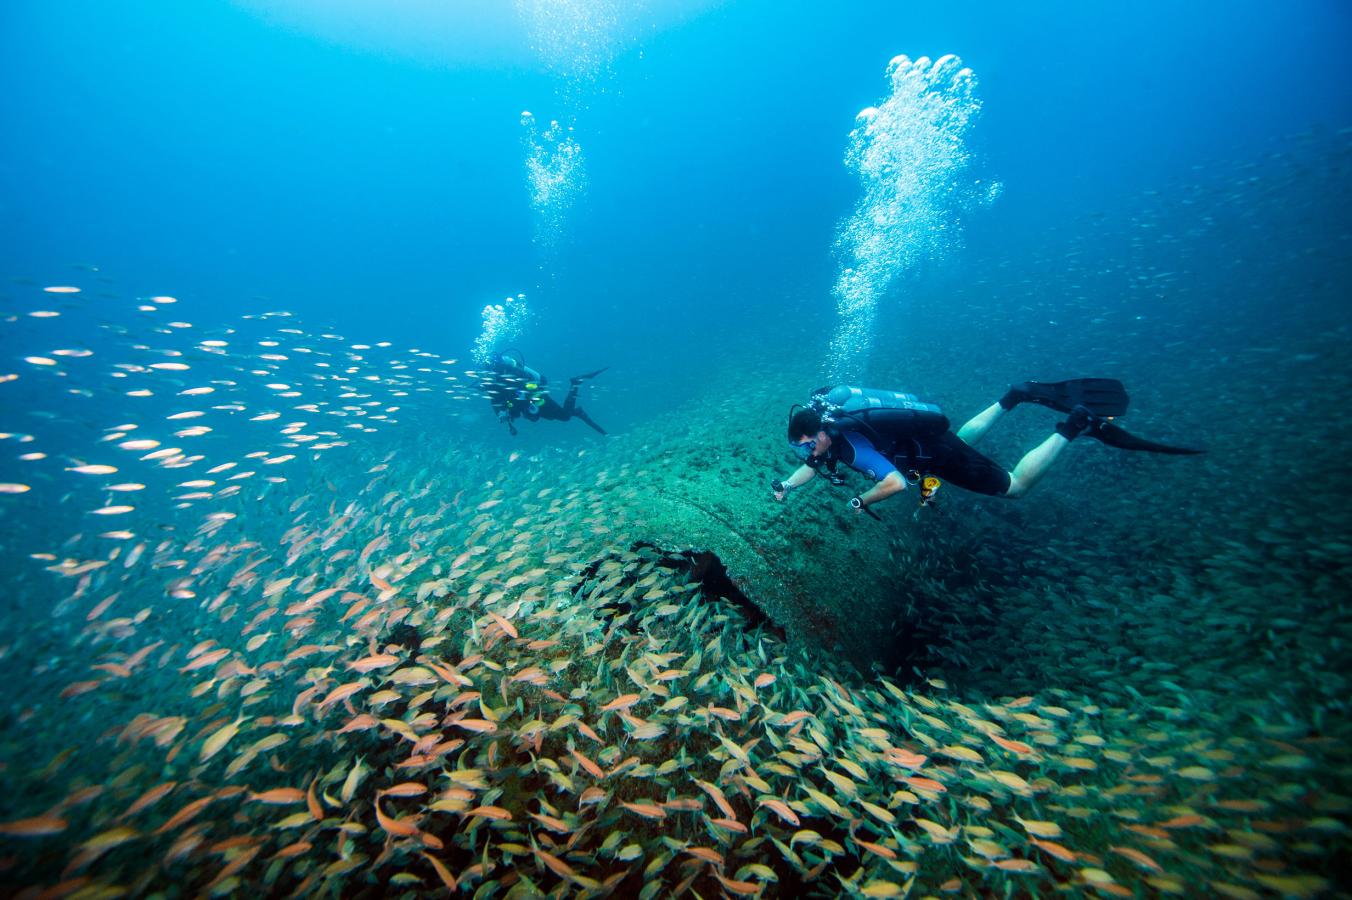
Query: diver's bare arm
{"type": "Point", "coordinates": [890, 485]}
{"type": "Point", "coordinates": [801, 476]}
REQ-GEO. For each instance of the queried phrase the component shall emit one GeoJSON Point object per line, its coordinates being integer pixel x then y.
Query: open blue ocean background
{"type": "Point", "coordinates": [366, 168]}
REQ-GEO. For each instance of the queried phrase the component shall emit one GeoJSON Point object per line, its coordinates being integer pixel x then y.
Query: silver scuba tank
{"type": "Point", "coordinates": [856, 399]}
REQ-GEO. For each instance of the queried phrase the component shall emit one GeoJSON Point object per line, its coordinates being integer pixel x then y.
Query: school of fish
{"type": "Point", "coordinates": [347, 662]}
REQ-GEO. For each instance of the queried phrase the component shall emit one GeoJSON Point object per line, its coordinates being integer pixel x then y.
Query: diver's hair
{"type": "Point", "coordinates": [805, 421]}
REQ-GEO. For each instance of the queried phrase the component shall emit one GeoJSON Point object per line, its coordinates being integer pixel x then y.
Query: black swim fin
{"type": "Point", "coordinates": [1122, 439]}
{"type": "Point", "coordinates": [579, 414]}
{"type": "Point", "coordinates": [578, 379]}
{"type": "Point", "coordinates": [1103, 397]}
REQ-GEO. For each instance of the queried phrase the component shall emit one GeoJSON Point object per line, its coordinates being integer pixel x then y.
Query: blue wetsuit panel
{"type": "Point", "coordinates": [864, 457]}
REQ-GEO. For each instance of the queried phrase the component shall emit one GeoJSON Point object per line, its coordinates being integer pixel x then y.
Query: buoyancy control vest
{"type": "Point", "coordinates": [891, 420]}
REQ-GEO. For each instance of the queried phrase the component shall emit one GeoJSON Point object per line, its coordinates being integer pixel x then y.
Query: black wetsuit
{"type": "Point", "coordinates": [878, 442]}
{"type": "Point", "coordinates": [518, 391]}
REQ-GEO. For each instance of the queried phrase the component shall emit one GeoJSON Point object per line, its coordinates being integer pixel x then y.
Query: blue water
{"type": "Point", "coordinates": [370, 172]}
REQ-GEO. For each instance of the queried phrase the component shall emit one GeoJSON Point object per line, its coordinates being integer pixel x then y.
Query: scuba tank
{"type": "Point", "coordinates": [857, 399]}
{"type": "Point", "coordinates": [873, 409]}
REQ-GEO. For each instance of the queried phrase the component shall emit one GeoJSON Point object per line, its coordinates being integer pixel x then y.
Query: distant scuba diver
{"type": "Point", "coordinates": [517, 391]}
{"type": "Point", "coordinates": [883, 434]}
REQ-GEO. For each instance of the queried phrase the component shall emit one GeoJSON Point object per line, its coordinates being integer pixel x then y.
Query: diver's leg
{"type": "Point", "coordinates": [580, 413]}
{"type": "Point", "coordinates": [551, 410]}
{"type": "Point", "coordinates": [1037, 461]}
{"type": "Point", "coordinates": [963, 466]}
{"type": "Point", "coordinates": [1034, 465]}
{"type": "Point", "coordinates": [570, 402]}
{"type": "Point", "coordinates": [977, 426]}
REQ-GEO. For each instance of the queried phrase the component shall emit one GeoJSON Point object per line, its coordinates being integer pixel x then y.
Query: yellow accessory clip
{"type": "Point", "coordinates": [928, 488]}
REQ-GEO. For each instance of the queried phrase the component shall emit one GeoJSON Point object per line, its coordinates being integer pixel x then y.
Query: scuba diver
{"type": "Point", "coordinates": [517, 391]}
{"type": "Point", "coordinates": [883, 434]}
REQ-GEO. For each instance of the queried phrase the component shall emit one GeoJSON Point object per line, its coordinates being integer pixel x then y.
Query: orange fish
{"type": "Point", "coordinates": [876, 849]}
{"type": "Point", "coordinates": [100, 608]}
{"type": "Point", "coordinates": [1062, 853]}
{"type": "Point", "coordinates": [1016, 865]}
{"type": "Point", "coordinates": [377, 661]}
{"type": "Point", "coordinates": [592, 768]}
{"type": "Point", "coordinates": [718, 797]}
{"type": "Point", "coordinates": [741, 888]}
{"type": "Point", "coordinates": [342, 692]}
{"type": "Point", "coordinates": [279, 796]}
{"type": "Point", "coordinates": [925, 784]}
{"type": "Point", "coordinates": [482, 726]}
{"type": "Point", "coordinates": [505, 625]}
{"type": "Point", "coordinates": [206, 659]}
{"type": "Point", "coordinates": [360, 722]}
{"type": "Point", "coordinates": [396, 827]}
{"type": "Point", "coordinates": [34, 827]}
{"type": "Point", "coordinates": [355, 608]}
{"type": "Point", "coordinates": [551, 823]}
{"type": "Point", "coordinates": [729, 824]}
{"type": "Point", "coordinates": [1187, 821]}
{"type": "Point", "coordinates": [646, 810]}
{"type": "Point", "coordinates": [898, 756]}
{"type": "Point", "coordinates": [1018, 747]}
{"type": "Point", "coordinates": [291, 850]}
{"type": "Point", "coordinates": [184, 815]}
{"type": "Point", "coordinates": [490, 812]}
{"type": "Point", "coordinates": [1138, 857]}
{"type": "Point", "coordinates": [312, 802]}
{"type": "Point", "coordinates": [622, 702]}
{"type": "Point", "coordinates": [781, 809]}
{"type": "Point", "coordinates": [80, 687]}
{"type": "Point", "coordinates": [556, 865]}
{"type": "Point", "coordinates": [149, 798]}
{"type": "Point", "coordinates": [136, 658]}
{"type": "Point", "coordinates": [708, 854]}
{"type": "Point", "coordinates": [442, 872]}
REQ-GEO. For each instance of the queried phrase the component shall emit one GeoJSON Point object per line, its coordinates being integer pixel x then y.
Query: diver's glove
{"type": "Point", "coordinates": [779, 489]}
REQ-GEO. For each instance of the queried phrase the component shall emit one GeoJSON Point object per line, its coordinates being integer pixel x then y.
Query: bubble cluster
{"type": "Point", "coordinates": [911, 157]}
{"type": "Point", "coordinates": [503, 323]}
{"type": "Point", "coordinates": [573, 38]}
{"type": "Point", "coordinates": [555, 176]}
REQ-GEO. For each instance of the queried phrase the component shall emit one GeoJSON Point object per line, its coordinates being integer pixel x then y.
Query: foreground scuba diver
{"type": "Point", "coordinates": [883, 434]}
{"type": "Point", "coordinates": [518, 391]}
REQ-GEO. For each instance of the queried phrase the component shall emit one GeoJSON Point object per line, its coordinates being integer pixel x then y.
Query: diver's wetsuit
{"type": "Point", "coordinates": [517, 391]}
{"type": "Point", "coordinates": [878, 442]}
{"type": "Point", "coordinates": [550, 409]}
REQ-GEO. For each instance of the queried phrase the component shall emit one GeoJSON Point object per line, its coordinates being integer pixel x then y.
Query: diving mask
{"type": "Point", "coordinates": [804, 449]}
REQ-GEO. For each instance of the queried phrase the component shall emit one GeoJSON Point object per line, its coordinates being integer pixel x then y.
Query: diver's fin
{"type": "Point", "coordinates": [578, 379]}
{"type": "Point", "coordinates": [1114, 436]}
{"type": "Point", "coordinates": [1103, 397]}
{"type": "Point", "coordinates": [579, 414]}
